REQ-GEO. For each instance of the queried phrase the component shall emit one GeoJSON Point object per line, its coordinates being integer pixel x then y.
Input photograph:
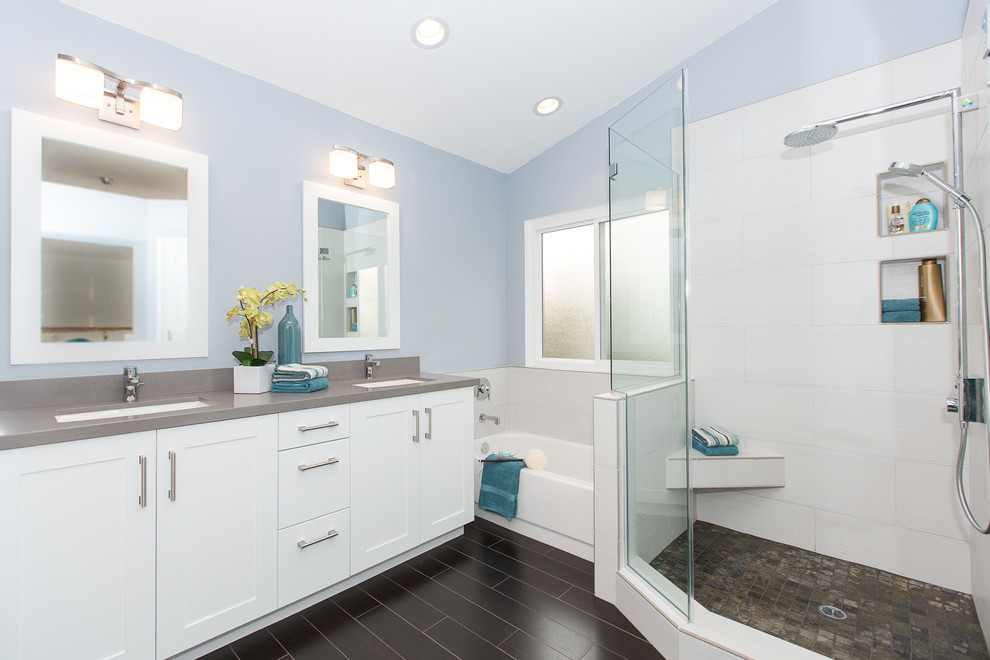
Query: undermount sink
{"type": "Point", "coordinates": [129, 410]}
{"type": "Point", "coordinates": [390, 383]}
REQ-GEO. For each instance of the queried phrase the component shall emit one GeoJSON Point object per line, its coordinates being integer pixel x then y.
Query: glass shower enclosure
{"type": "Point", "coordinates": [646, 334]}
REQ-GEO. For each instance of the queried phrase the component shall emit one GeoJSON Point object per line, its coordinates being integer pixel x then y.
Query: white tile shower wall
{"type": "Point", "coordinates": [542, 401]}
{"type": "Point", "coordinates": [791, 309]}
{"type": "Point", "coordinates": [977, 156]}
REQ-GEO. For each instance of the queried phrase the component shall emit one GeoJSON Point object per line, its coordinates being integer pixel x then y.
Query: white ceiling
{"type": "Point", "coordinates": [474, 95]}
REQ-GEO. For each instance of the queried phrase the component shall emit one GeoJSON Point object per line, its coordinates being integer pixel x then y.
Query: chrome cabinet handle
{"type": "Point", "coordinates": [329, 461]}
{"type": "Point", "coordinates": [328, 425]}
{"type": "Point", "coordinates": [305, 544]}
{"type": "Point", "coordinates": [171, 468]}
{"type": "Point", "coordinates": [429, 424]}
{"type": "Point", "coordinates": [416, 417]}
{"type": "Point", "coordinates": [143, 497]}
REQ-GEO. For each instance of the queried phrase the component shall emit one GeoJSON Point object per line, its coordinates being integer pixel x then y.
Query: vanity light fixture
{"type": "Point", "coordinates": [430, 32]}
{"type": "Point", "coordinates": [358, 170]}
{"type": "Point", "coordinates": [547, 106]}
{"type": "Point", "coordinates": [119, 100]}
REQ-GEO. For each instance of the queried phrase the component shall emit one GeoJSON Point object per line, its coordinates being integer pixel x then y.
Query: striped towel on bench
{"type": "Point", "coordinates": [714, 436]}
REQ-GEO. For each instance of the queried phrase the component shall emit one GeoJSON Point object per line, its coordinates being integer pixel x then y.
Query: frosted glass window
{"type": "Point", "coordinates": [569, 293]}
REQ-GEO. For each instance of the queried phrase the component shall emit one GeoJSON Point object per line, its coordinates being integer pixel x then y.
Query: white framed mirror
{"type": "Point", "coordinates": [350, 270]}
{"type": "Point", "coordinates": [109, 245]}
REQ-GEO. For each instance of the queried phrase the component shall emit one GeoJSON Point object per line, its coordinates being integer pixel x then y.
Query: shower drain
{"type": "Point", "coordinates": [831, 612]}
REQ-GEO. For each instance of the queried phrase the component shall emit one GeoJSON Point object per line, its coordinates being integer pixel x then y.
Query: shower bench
{"type": "Point", "coordinates": [747, 469]}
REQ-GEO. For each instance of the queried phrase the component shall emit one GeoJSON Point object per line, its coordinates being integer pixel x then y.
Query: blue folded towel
{"type": "Point", "coordinates": [500, 487]}
{"type": "Point", "coordinates": [725, 450]}
{"type": "Point", "coordinates": [901, 305]}
{"type": "Point", "coordinates": [713, 436]}
{"type": "Point", "coordinates": [297, 372]}
{"type": "Point", "coordinates": [900, 317]}
{"type": "Point", "coordinates": [310, 385]}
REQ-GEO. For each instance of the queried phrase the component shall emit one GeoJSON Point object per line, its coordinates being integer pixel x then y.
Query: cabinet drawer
{"type": "Point", "coordinates": [307, 427]}
{"type": "Point", "coordinates": [313, 481]}
{"type": "Point", "coordinates": [312, 556]}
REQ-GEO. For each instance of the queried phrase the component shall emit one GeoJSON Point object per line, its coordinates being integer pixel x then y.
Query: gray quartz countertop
{"type": "Point", "coordinates": [27, 427]}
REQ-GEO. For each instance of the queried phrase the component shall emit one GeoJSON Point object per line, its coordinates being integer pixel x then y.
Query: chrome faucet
{"type": "Point", "coordinates": [131, 384]}
{"type": "Point", "coordinates": [494, 418]}
{"type": "Point", "coordinates": [370, 362]}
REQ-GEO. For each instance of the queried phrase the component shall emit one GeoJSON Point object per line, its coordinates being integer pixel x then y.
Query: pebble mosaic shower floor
{"type": "Point", "coordinates": [778, 589]}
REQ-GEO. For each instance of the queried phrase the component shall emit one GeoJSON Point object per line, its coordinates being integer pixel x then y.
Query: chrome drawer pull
{"type": "Point", "coordinates": [171, 468]}
{"type": "Point", "coordinates": [305, 544]}
{"type": "Point", "coordinates": [416, 434]}
{"type": "Point", "coordinates": [328, 425]}
{"type": "Point", "coordinates": [143, 497]}
{"type": "Point", "coordinates": [429, 424]}
{"type": "Point", "coordinates": [329, 461]}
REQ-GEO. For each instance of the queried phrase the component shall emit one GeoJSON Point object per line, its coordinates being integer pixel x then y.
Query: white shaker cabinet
{"type": "Point", "coordinates": [217, 528]}
{"type": "Point", "coordinates": [77, 550]}
{"type": "Point", "coordinates": [445, 455]}
{"type": "Point", "coordinates": [410, 472]}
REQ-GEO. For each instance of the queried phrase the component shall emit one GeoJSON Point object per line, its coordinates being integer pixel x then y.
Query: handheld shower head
{"type": "Point", "coordinates": [807, 136]}
{"type": "Point", "coordinates": [904, 168]}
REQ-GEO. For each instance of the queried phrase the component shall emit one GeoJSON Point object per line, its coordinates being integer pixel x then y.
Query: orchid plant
{"type": "Point", "coordinates": [249, 307]}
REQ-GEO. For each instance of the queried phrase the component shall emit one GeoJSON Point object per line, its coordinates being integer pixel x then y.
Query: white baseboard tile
{"type": "Point", "coordinates": [606, 567]}
{"type": "Point", "coordinates": [935, 559]}
{"type": "Point", "coordinates": [783, 522]}
{"type": "Point", "coordinates": [711, 636]}
{"type": "Point", "coordinates": [657, 621]}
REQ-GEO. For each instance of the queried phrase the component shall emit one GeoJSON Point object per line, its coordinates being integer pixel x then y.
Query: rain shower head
{"type": "Point", "coordinates": [809, 135]}
{"type": "Point", "coordinates": [906, 169]}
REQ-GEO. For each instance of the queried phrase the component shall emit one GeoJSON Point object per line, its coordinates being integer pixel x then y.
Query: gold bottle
{"type": "Point", "coordinates": [930, 291]}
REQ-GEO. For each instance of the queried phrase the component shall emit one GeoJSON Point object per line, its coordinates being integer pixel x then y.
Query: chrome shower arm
{"type": "Point", "coordinates": [948, 93]}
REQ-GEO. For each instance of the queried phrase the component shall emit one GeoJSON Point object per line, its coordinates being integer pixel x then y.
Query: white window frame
{"type": "Point", "coordinates": [533, 233]}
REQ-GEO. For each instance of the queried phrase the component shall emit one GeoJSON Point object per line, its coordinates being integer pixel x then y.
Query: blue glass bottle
{"type": "Point", "coordinates": [289, 339]}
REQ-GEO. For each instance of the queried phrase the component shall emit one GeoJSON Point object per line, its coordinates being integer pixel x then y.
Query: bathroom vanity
{"type": "Point", "coordinates": [145, 536]}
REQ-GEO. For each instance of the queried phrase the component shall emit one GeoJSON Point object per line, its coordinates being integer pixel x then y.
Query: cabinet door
{"type": "Point", "coordinates": [77, 549]}
{"type": "Point", "coordinates": [447, 492]}
{"type": "Point", "coordinates": [384, 480]}
{"type": "Point", "coordinates": [217, 528]}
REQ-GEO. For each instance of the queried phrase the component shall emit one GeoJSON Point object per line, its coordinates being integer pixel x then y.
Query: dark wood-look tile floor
{"type": "Point", "coordinates": [490, 593]}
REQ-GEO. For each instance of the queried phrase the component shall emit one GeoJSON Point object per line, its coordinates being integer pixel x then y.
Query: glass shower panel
{"type": "Point", "coordinates": [647, 320]}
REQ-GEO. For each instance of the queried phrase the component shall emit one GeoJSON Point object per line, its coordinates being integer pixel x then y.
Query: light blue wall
{"type": "Point", "coordinates": [262, 143]}
{"type": "Point", "coordinates": [792, 44]}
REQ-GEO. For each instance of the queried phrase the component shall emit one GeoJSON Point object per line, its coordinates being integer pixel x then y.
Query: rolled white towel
{"type": "Point", "coordinates": [536, 459]}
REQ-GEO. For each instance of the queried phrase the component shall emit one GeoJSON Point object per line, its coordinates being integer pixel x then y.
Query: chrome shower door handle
{"type": "Point", "coordinates": [143, 497]}
{"type": "Point", "coordinates": [416, 432]}
{"type": "Point", "coordinates": [429, 424]}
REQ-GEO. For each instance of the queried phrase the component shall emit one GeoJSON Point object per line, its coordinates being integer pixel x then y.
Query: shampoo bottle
{"type": "Point", "coordinates": [924, 215]}
{"type": "Point", "coordinates": [930, 291]}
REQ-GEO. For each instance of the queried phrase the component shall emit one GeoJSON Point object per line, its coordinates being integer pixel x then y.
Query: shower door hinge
{"type": "Point", "coordinates": [972, 400]}
{"type": "Point", "coordinates": [613, 171]}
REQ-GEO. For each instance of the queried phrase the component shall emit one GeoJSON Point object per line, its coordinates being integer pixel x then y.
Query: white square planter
{"type": "Point", "coordinates": [253, 380]}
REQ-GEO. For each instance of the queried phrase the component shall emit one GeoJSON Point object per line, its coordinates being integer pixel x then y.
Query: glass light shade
{"type": "Point", "coordinates": [381, 174]}
{"type": "Point", "coordinates": [77, 83]}
{"type": "Point", "coordinates": [161, 108]}
{"type": "Point", "coordinates": [343, 163]}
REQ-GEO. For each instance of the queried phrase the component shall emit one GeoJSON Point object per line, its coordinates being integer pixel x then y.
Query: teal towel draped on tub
{"type": "Point", "coordinates": [500, 487]}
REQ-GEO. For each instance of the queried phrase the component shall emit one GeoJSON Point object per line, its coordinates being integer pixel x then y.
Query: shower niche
{"type": "Point", "coordinates": [913, 290]}
{"type": "Point", "coordinates": [897, 195]}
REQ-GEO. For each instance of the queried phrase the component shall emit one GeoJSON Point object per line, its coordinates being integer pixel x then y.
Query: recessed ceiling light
{"type": "Point", "coordinates": [430, 32]}
{"type": "Point", "coordinates": [547, 106]}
